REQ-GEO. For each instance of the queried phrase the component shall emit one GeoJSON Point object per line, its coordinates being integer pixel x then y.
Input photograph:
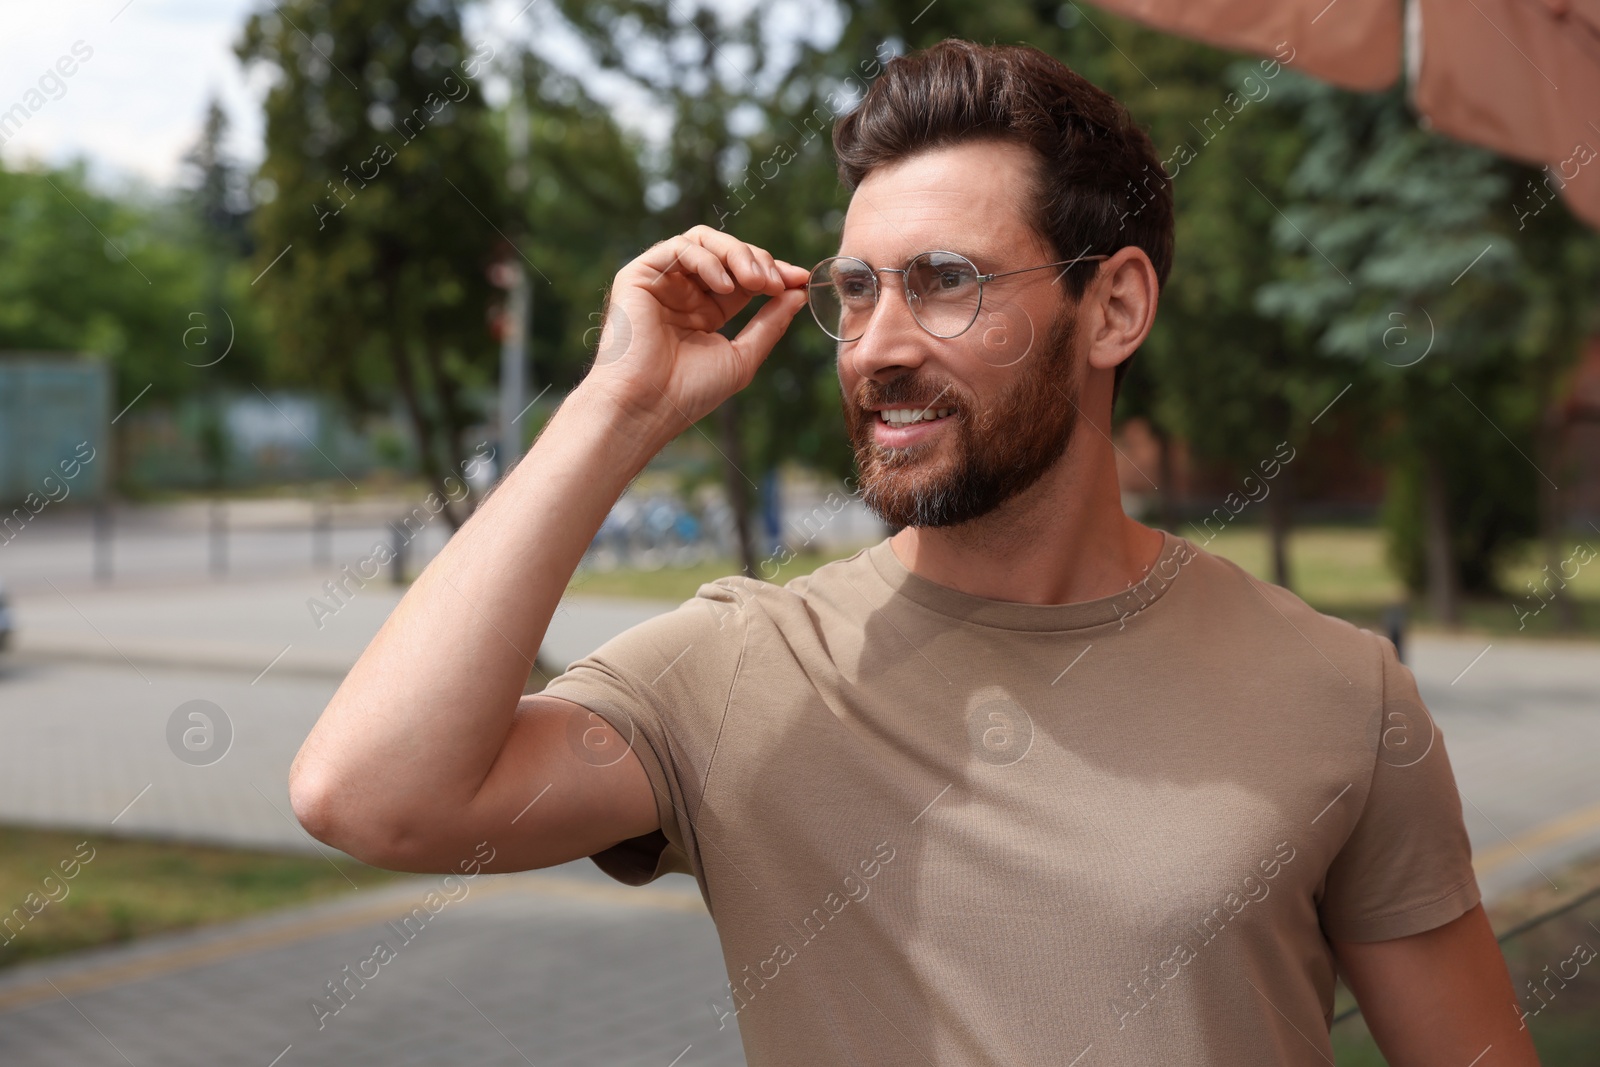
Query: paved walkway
{"type": "Point", "coordinates": [1521, 722]}
{"type": "Point", "coordinates": [97, 675]}
{"type": "Point", "coordinates": [550, 968]}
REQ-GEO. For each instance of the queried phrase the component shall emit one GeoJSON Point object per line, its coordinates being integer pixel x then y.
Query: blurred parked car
{"type": "Point", "coordinates": [5, 619]}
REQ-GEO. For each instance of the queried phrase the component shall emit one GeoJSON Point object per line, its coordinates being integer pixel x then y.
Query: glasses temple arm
{"type": "Point", "coordinates": [1042, 266]}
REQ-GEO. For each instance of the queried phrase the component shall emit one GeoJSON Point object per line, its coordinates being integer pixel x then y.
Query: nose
{"type": "Point", "coordinates": [894, 341]}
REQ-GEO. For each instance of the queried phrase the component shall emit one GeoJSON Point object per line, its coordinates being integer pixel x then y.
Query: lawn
{"type": "Point", "coordinates": [1341, 570]}
{"type": "Point", "coordinates": [65, 891]}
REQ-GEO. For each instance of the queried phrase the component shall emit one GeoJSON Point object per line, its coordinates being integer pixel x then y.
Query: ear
{"type": "Point", "coordinates": [1118, 308]}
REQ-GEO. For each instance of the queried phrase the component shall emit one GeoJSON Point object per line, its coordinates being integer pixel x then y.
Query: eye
{"type": "Point", "coordinates": [855, 287]}
{"type": "Point", "coordinates": [942, 276]}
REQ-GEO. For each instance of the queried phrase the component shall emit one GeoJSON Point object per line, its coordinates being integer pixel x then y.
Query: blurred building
{"type": "Point", "coordinates": [1333, 478]}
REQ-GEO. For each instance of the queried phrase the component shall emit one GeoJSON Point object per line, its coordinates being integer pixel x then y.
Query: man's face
{"type": "Point", "coordinates": [1008, 383]}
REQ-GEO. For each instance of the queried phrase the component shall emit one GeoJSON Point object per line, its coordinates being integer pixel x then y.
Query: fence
{"type": "Point", "coordinates": [50, 405]}
{"type": "Point", "coordinates": [216, 539]}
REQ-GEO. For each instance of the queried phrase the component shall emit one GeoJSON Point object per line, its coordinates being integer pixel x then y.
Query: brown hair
{"type": "Point", "coordinates": [1101, 185]}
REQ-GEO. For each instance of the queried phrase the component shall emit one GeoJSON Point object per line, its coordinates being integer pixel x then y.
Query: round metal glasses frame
{"type": "Point", "coordinates": [913, 298]}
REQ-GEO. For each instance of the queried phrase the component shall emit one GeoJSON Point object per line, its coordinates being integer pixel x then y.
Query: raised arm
{"type": "Point", "coordinates": [428, 747]}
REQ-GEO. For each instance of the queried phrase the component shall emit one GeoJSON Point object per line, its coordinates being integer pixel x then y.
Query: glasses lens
{"type": "Point", "coordinates": [843, 292]}
{"type": "Point", "coordinates": [944, 291]}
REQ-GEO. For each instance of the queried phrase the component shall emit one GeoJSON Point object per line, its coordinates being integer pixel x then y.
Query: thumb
{"type": "Point", "coordinates": [755, 341]}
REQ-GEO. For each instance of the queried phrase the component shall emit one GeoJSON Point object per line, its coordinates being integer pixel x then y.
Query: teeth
{"type": "Point", "coordinates": [907, 416]}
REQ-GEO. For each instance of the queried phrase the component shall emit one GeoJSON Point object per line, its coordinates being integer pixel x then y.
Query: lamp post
{"type": "Point", "coordinates": [510, 275]}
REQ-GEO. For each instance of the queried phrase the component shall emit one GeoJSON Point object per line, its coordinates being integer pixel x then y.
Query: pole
{"type": "Point", "coordinates": [513, 349]}
{"type": "Point", "coordinates": [102, 539]}
{"type": "Point", "coordinates": [513, 368]}
{"type": "Point", "coordinates": [219, 538]}
{"type": "Point", "coordinates": [321, 532]}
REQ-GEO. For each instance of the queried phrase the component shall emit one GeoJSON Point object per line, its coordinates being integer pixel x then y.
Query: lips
{"type": "Point", "coordinates": [907, 416]}
{"type": "Point", "coordinates": [903, 434]}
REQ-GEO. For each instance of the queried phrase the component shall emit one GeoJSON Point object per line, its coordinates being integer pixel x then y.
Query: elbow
{"type": "Point", "coordinates": [341, 819]}
{"type": "Point", "coordinates": [328, 815]}
{"type": "Point", "coordinates": [315, 805]}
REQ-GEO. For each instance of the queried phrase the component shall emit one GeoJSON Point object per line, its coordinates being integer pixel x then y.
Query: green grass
{"type": "Point", "coordinates": [1329, 567]}
{"type": "Point", "coordinates": [1341, 570]}
{"type": "Point", "coordinates": [131, 888]}
{"type": "Point", "coordinates": [680, 583]}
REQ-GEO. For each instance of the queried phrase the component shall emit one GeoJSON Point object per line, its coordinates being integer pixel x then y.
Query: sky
{"type": "Point", "coordinates": [135, 105]}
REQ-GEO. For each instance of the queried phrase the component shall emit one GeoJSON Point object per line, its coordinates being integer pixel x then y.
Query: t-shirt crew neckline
{"type": "Point", "coordinates": [1010, 615]}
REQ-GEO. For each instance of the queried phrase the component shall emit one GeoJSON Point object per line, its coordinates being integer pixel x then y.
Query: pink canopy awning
{"type": "Point", "coordinates": [1521, 77]}
{"type": "Point", "coordinates": [1351, 43]}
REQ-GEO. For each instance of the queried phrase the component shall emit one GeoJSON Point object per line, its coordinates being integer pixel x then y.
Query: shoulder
{"type": "Point", "coordinates": [739, 591]}
{"type": "Point", "coordinates": [1278, 630]}
{"type": "Point", "coordinates": [1221, 580]}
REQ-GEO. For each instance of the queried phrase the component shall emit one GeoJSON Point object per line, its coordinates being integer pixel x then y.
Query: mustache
{"type": "Point", "coordinates": [894, 397]}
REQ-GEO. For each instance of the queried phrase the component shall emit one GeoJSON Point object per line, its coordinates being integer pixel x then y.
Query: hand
{"type": "Point", "coordinates": [660, 357]}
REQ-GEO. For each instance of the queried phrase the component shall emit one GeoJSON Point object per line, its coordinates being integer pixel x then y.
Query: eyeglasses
{"type": "Point", "coordinates": [943, 289]}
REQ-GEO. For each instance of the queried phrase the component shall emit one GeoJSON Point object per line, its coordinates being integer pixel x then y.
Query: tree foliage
{"type": "Point", "coordinates": [1404, 261]}
{"type": "Point", "coordinates": [389, 206]}
{"type": "Point", "coordinates": [1327, 246]}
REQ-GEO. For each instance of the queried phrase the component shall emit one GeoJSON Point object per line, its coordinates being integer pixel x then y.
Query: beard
{"type": "Point", "coordinates": [998, 451]}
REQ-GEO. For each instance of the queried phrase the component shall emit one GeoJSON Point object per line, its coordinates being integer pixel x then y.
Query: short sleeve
{"type": "Point", "coordinates": [664, 686]}
{"type": "Point", "coordinates": [1407, 864]}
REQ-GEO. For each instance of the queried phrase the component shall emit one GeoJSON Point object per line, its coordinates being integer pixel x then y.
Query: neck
{"type": "Point", "coordinates": [1063, 540]}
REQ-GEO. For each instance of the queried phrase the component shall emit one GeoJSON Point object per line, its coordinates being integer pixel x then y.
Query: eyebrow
{"type": "Point", "coordinates": [979, 259]}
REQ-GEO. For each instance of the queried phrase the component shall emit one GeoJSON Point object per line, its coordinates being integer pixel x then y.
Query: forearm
{"type": "Point", "coordinates": [420, 718]}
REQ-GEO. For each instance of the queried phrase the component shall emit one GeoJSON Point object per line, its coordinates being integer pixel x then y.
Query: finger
{"type": "Point", "coordinates": [769, 267]}
{"type": "Point", "coordinates": [686, 257]}
{"type": "Point", "coordinates": [699, 264]}
{"type": "Point", "coordinates": [792, 275]}
{"type": "Point", "coordinates": [755, 341]}
{"type": "Point", "coordinates": [746, 264]}
{"type": "Point", "coordinates": [685, 294]}
{"type": "Point", "coordinates": [753, 265]}
{"type": "Point", "coordinates": [731, 277]}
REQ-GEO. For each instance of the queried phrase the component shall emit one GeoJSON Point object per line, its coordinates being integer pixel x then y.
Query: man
{"type": "Point", "coordinates": [1027, 782]}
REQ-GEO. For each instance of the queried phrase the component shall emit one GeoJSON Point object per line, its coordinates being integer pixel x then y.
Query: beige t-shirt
{"type": "Point", "coordinates": [937, 828]}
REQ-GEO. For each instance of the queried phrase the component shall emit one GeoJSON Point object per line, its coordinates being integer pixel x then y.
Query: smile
{"type": "Point", "coordinates": [899, 417]}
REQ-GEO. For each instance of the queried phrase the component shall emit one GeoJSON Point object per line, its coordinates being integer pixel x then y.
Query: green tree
{"type": "Point", "coordinates": [218, 188]}
{"type": "Point", "coordinates": [81, 271]}
{"type": "Point", "coordinates": [1398, 233]}
{"type": "Point", "coordinates": [217, 196]}
{"type": "Point", "coordinates": [737, 107]}
{"type": "Point", "coordinates": [1556, 290]}
{"type": "Point", "coordinates": [389, 207]}
{"type": "Point", "coordinates": [586, 213]}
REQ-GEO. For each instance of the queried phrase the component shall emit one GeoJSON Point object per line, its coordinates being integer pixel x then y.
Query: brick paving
{"type": "Point", "coordinates": [553, 968]}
